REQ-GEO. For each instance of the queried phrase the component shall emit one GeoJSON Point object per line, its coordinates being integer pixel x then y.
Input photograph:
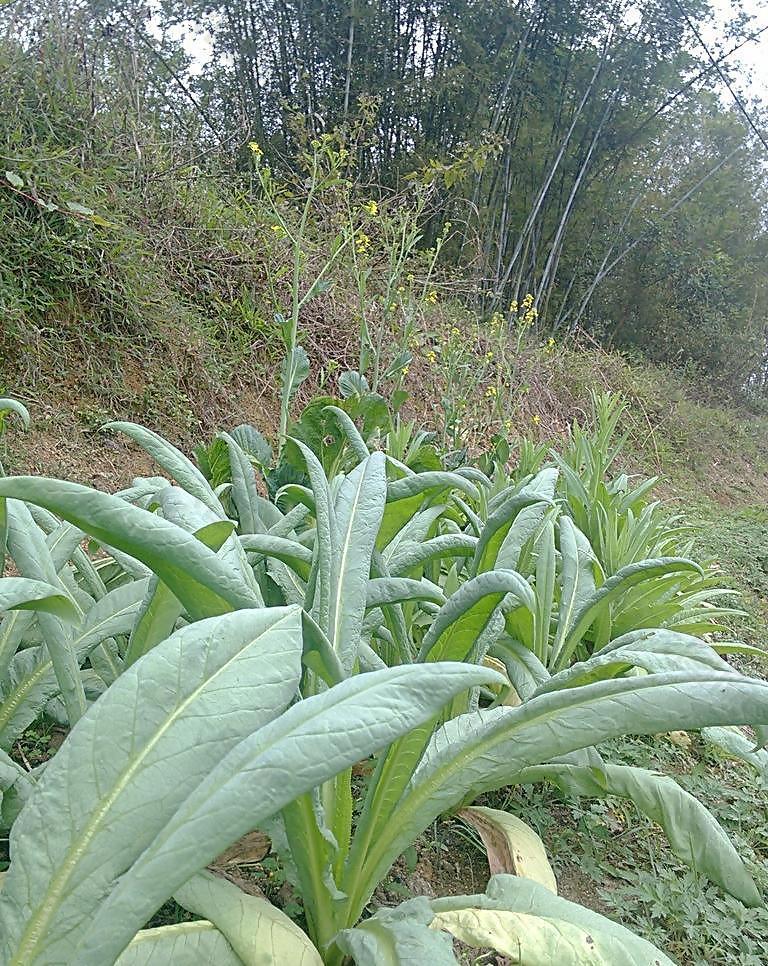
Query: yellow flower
{"type": "Point", "coordinates": [255, 149]}
{"type": "Point", "coordinates": [535, 419]}
{"type": "Point", "coordinates": [371, 207]}
{"type": "Point", "coordinates": [278, 230]}
{"type": "Point", "coordinates": [405, 370]}
{"type": "Point", "coordinates": [491, 392]}
{"type": "Point", "coordinates": [513, 307]}
{"type": "Point", "coordinates": [362, 243]}
{"type": "Point", "coordinates": [508, 425]}
{"type": "Point", "coordinates": [431, 357]}
{"type": "Point", "coordinates": [431, 297]}
{"type": "Point", "coordinates": [528, 301]}
{"type": "Point", "coordinates": [489, 355]}
{"type": "Point", "coordinates": [455, 331]}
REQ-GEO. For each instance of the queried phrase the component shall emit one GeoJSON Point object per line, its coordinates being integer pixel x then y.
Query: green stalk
{"type": "Point", "coordinates": [392, 775]}
{"type": "Point", "coordinates": [308, 852]}
{"type": "Point", "coordinates": [293, 334]}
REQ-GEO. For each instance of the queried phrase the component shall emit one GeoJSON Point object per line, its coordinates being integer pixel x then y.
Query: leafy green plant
{"type": "Point", "coordinates": [385, 593]}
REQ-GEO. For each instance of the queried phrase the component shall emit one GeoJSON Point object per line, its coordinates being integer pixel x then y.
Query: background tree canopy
{"type": "Point", "coordinates": [585, 152]}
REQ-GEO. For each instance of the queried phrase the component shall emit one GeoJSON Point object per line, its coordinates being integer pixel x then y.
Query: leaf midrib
{"type": "Point", "coordinates": [54, 894]}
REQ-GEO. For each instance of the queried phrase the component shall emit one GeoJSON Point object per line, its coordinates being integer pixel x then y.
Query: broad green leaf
{"type": "Point", "coordinates": [290, 552]}
{"type": "Point", "coordinates": [318, 653]}
{"type": "Point", "coordinates": [252, 443]}
{"type": "Point", "coordinates": [411, 554]}
{"type": "Point", "coordinates": [516, 547]}
{"type": "Point", "coordinates": [692, 831]}
{"type": "Point", "coordinates": [655, 651]}
{"type": "Point", "coordinates": [15, 407]}
{"type": "Point", "coordinates": [578, 578]}
{"type": "Point", "coordinates": [155, 621]}
{"type": "Point", "coordinates": [244, 491]}
{"type": "Point", "coordinates": [358, 510]}
{"type": "Point", "coordinates": [161, 608]}
{"type": "Point", "coordinates": [398, 937]}
{"type": "Point", "coordinates": [396, 517]}
{"type": "Point", "coordinates": [496, 528]}
{"type": "Point", "coordinates": [524, 669]}
{"type": "Point", "coordinates": [31, 678]}
{"type": "Point", "coordinates": [545, 591]}
{"type": "Point", "coordinates": [189, 513]}
{"type": "Point", "coordinates": [611, 590]}
{"type": "Point", "coordinates": [391, 590]}
{"type": "Point", "coordinates": [16, 785]}
{"type": "Point", "coordinates": [183, 944]}
{"type": "Point", "coordinates": [293, 371]}
{"type": "Point", "coordinates": [614, 944]}
{"type": "Point", "coordinates": [312, 741]}
{"type": "Point", "coordinates": [258, 932]}
{"type": "Point", "coordinates": [418, 528]}
{"type": "Point", "coordinates": [319, 587]}
{"type": "Point", "coordinates": [420, 483]}
{"type": "Point", "coordinates": [189, 700]}
{"type": "Point", "coordinates": [23, 593]}
{"type": "Point", "coordinates": [173, 461]}
{"type": "Point", "coordinates": [533, 940]}
{"type": "Point", "coordinates": [290, 522]}
{"type": "Point", "coordinates": [463, 618]}
{"type": "Point", "coordinates": [3, 528]}
{"type": "Point", "coordinates": [201, 581]}
{"type": "Point", "coordinates": [414, 493]}
{"type": "Point", "coordinates": [512, 846]}
{"type": "Point", "coordinates": [29, 550]}
{"type": "Point", "coordinates": [736, 647]}
{"type": "Point", "coordinates": [735, 744]}
{"type": "Point", "coordinates": [347, 426]}
{"type": "Point", "coordinates": [482, 751]}
{"type": "Point", "coordinates": [353, 383]}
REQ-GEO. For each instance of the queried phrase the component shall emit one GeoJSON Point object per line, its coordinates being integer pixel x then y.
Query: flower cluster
{"type": "Point", "coordinates": [362, 243]}
{"type": "Point", "coordinates": [525, 311]}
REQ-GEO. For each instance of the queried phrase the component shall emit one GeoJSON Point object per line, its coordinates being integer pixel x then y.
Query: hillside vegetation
{"type": "Point", "coordinates": [383, 486]}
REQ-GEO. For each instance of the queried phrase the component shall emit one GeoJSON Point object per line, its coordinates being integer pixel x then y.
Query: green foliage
{"type": "Point", "coordinates": [349, 618]}
{"type": "Point", "coordinates": [137, 211]}
{"type": "Point", "coordinates": [636, 877]}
